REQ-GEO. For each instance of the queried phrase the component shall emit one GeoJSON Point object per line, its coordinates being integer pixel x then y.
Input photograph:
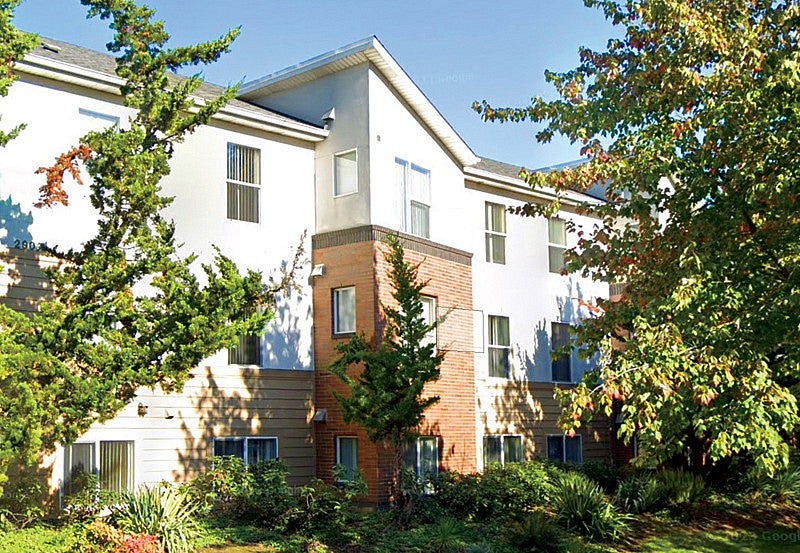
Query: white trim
{"type": "Point", "coordinates": [568, 356]}
{"type": "Point", "coordinates": [337, 459]}
{"type": "Point", "coordinates": [490, 345]}
{"type": "Point", "coordinates": [502, 447]}
{"type": "Point", "coordinates": [335, 310]}
{"type": "Point", "coordinates": [564, 439]}
{"type": "Point", "coordinates": [490, 232]}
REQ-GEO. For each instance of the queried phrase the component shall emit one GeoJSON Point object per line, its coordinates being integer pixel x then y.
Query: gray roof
{"type": "Point", "coordinates": [105, 63]}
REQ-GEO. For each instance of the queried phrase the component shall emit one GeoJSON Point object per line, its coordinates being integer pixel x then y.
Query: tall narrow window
{"type": "Point", "coordinates": [565, 449]}
{"type": "Point", "coordinates": [429, 317]}
{"type": "Point", "coordinates": [495, 233]}
{"type": "Point", "coordinates": [559, 338]}
{"type": "Point", "coordinates": [344, 310]}
{"type": "Point", "coordinates": [345, 173]}
{"type": "Point", "coordinates": [502, 449]}
{"type": "Point", "coordinates": [557, 237]}
{"type": "Point", "coordinates": [247, 351]}
{"type": "Point", "coordinates": [414, 198]}
{"type": "Point", "coordinates": [244, 178]}
{"type": "Point", "coordinates": [347, 455]}
{"type": "Point", "coordinates": [499, 347]}
{"type": "Point", "coordinates": [422, 455]}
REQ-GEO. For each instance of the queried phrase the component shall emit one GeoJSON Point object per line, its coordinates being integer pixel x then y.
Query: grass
{"type": "Point", "coordinates": [772, 540]}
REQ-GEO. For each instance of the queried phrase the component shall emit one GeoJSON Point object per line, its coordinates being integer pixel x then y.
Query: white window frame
{"type": "Point", "coordinates": [492, 234]}
{"type": "Point", "coordinates": [491, 346]}
{"type": "Point", "coordinates": [96, 459]}
{"type": "Point", "coordinates": [431, 337]}
{"type": "Point", "coordinates": [336, 156]}
{"type": "Point", "coordinates": [551, 246]}
{"type": "Point", "coordinates": [337, 460]}
{"type": "Point", "coordinates": [244, 440]}
{"type": "Point", "coordinates": [503, 447]}
{"type": "Point", "coordinates": [564, 439]}
{"type": "Point", "coordinates": [99, 115]}
{"type": "Point", "coordinates": [255, 186]}
{"type": "Point", "coordinates": [408, 201]}
{"type": "Point", "coordinates": [335, 294]}
{"type": "Point", "coordinates": [567, 356]}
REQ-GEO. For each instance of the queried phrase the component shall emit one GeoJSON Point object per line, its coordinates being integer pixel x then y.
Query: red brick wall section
{"type": "Point", "coordinates": [452, 419]}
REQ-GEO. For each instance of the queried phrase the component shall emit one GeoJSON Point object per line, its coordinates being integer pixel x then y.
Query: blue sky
{"type": "Point", "coordinates": [456, 52]}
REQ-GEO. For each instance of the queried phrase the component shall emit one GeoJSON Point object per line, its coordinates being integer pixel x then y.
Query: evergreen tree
{"type": "Point", "coordinates": [14, 44]}
{"type": "Point", "coordinates": [386, 381]}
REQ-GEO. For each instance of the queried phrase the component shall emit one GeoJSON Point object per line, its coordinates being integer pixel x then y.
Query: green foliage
{"type": "Point", "coordinates": [85, 498]}
{"type": "Point", "coordinates": [322, 508]}
{"type": "Point", "coordinates": [24, 502]}
{"type": "Point", "coordinates": [690, 112]}
{"type": "Point", "coordinates": [536, 533]}
{"type": "Point", "coordinates": [681, 489]}
{"type": "Point", "coordinates": [640, 494]}
{"type": "Point", "coordinates": [127, 310]}
{"type": "Point", "coordinates": [604, 473]}
{"type": "Point", "coordinates": [581, 506]}
{"type": "Point", "coordinates": [41, 539]}
{"type": "Point", "coordinates": [100, 537]}
{"type": "Point", "coordinates": [386, 393]}
{"type": "Point", "coordinates": [500, 492]}
{"type": "Point", "coordinates": [446, 536]}
{"type": "Point", "coordinates": [14, 44]}
{"type": "Point", "coordinates": [161, 511]}
{"type": "Point", "coordinates": [782, 487]}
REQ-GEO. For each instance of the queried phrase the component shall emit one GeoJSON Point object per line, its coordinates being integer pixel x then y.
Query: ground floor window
{"type": "Point", "coordinates": [110, 460]}
{"type": "Point", "coordinates": [565, 449]}
{"type": "Point", "coordinates": [249, 450]}
{"type": "Point", "coordinates": [347, 456]}
{"type": "Point", "coordinates": [422, 455]}
{"type": "Point", "coordinates": [502, 448]}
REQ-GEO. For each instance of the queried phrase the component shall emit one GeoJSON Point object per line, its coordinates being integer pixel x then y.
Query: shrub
{"type": "Point", "coordinates": [681, 490]}
{"type": "Point", "coordinates": [536, 533]}
{"type": "Point", "coordinates": [446, 537]}
{"type": "Point", "coordinates": [323, 508]}
{"type": "Point", "coordinates": [22, 502]}
{"type": "Point", "coordinates": [162, 511]}
{"type": "Point", "coordinates": [581, 506]}
{"type": "Point", "coordinates": [101, 537]}
{"type": "Point", "coordinates": [85, 499]}
{"type": "Point", "coordinates": [605, 474]}
{"type": "Point", "coordinates": [640, 494]}
{"type": "Point", "coordinates": [782, 487]}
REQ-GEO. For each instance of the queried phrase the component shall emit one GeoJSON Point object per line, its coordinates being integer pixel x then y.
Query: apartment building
{"type": "Point", "coordinates": [346, 147]}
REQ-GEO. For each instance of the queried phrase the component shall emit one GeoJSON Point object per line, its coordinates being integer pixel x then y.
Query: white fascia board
{"type": "Point", "coordinates": [488, 178]}
{"type": "Point", "coordinates": [103, 82]}
{"type": "Point", "coordinates": [367, 50]}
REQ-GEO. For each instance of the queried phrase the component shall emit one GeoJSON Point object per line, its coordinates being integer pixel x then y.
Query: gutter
{"type": "Point", "coordinates": [518, 185]}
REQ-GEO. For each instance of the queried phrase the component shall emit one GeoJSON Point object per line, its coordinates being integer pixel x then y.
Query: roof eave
{"type": "Point", "coordinates": [518, 185]}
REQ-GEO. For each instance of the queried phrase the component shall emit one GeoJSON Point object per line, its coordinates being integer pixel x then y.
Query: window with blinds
{"type": "Point", "coordinates": [414, 198]}
{"type": "Point", "coordinates": [557, 238]}
{"type": "Point", "coordinates": [248, 350]}
{"type": "Point", "coordinates": [249, 450]}
{"type": "Point", "coordinates": [495, 233]}
{"type": "Point", "coordinates": [499, 347]}
{"type": "Point", "coordinates": [112, 462]}
{"type": "Point", "coordinates": [244, 180]}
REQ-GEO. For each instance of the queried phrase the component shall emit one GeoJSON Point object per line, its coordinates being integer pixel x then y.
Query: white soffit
{"type": "Point", "coordinates": [363, 51]}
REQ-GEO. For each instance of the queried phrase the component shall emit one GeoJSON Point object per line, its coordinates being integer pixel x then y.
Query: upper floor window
{"type": "Point", "coordinates": [557, 238]}
{"type": "Point", "coordinates": [344, 310]}
{"type": "Point", "coordinates": [429, 317]}
{"type": "Point", "coordinates": [502, 449]}
{"type": "Point", "coordinates": [345, 173]}
{"type": "Point", "coordinates": [414, 194]}
{"type": "Point", "coordinates": [499, 347]}
{"type": "Point", "coordinates": [559, 338]}
{"type": "Point", "coordinates": [249, 450]}
{"type": "Point", "coordinates": [244, 179]}
{"type": "Point", "coordinates": [565, 449]}
{"type": "Point", "coordinates": [247, 351]}
{"type": "Point", "coordinates": [495, 233]}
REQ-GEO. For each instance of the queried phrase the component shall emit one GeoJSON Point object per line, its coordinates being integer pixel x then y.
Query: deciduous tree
{"type": "Point", "coordinates": [14, 44]}
{"type": "Point", "coordinates": [386, 381]}
{"type": "Point", "coordinates": [691, 118]}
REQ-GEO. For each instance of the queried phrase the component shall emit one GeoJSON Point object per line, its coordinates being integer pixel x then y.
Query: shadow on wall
{"type": "Point", "coordinates": [516, 411]}
{"type": "Point", "coordinates": [282, 346]}
{"type": "Point", "coordinates": [16, 223]}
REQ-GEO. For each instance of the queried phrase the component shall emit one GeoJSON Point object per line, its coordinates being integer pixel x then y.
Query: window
{"type": "Point", "coordinates": [422, 455]}
{"type": "Point", "coordinates": [111, 460]}
{"type": "Point", "coordinates": [100, 117]}
{"type": "Point", "coordinates": [249, 450]}
{"type": "Point", "coordinates": [499, 347]}
{"type": "Point", "coordinates": [345, 173]}
{"type": "Point", "coordinates": [559, 338]}
{"type": "Point", "coordinates": [502, 449]}
{"type": "Point", "coordinates": [414, 198]}
{"type": "Point", "coordinates": [244, 178]}
{"type": "Point", "coordinates": [565, 449]}
{"type": "Point", "coordinates": [247, 351]}
{"type": "Point", "coordinates": [347, 456]}
{"type": "Point", "coordinates": [429, 317]}
{"type": "Point", "coordinates": [557, 237]}
{"type": "Point", "coordinates": [495, 233]}
{"type": "Point", "coordinates": [344, 310]}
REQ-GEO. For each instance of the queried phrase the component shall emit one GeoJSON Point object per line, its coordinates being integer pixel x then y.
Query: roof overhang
{"type": "Point", "coordinates": [103, 82]}
{"type": "Point", "coordinates": [480, 176]}
{"type": "Point", "coordinates": [369, 50]}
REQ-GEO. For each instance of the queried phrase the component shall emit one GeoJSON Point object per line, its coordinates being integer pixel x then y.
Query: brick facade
{"type": "Point", "coordinates": [361, 264]}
